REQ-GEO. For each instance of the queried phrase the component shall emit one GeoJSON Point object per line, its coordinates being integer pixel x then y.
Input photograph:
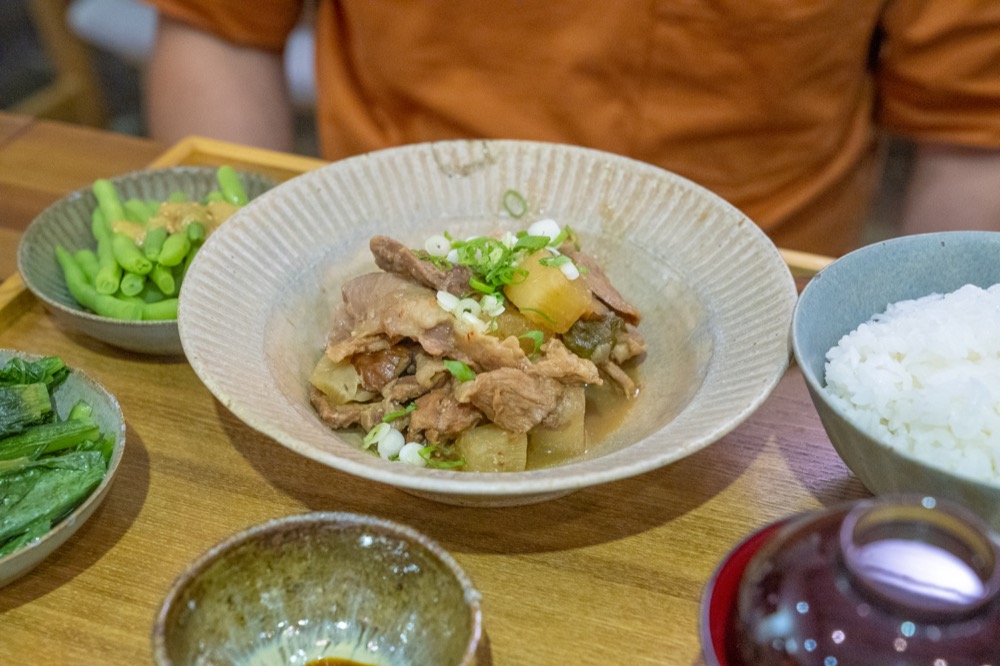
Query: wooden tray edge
{"type": "Point", "coordinates": [15, 300]}
{"type": "Point", "coordinates": [804, 264]}
{"type": "Point", "coordinates": [197, 150]}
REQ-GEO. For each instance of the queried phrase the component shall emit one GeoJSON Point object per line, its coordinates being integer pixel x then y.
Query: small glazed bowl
{"type": "Point", "coordinates": [67, 222]}
{"type": "Point", "coordinates": [108, 415]}
{"type": "Point", "coordinates": [848, 293]}
{"type": "Point", "coordinates": [323, 585]}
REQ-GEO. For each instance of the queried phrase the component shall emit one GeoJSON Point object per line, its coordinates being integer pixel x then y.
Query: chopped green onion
{"type": "Point", "coordinates": [392, 416]}
{"type": "Point", "coordinates": [374, 435]}
{"type": "Point", "coordinates": [531, 243]}
{"type": "Point", "coordinates": [570, 236]}
{"type": "Point", "coordinates": [481, 286]}
{"type": "Point", "coordinates": [439, 262]}
{"type": "Point", "coordinates": [515, 204]}
{"type": "Point", "coordinates": [537, 337]}
{"type": "Point", "coordinates": [554, 262]}
{"type": "Point", "coordinates": [543, 315]}
{"type": "Point", "coordinates": [512, 275]}
{"type": "Point", "coordinates": [460, 370]}
{"type": "Point", "coordinates": [426, 453]}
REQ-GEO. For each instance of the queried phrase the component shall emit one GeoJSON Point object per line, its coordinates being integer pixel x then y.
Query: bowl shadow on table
{"type": "Point", "coordinates": [586, 517]}
{"type": "Point", "coordinates": [95, 538]}
{"type": "Point", "coordinates": [819, 470]}
{"type": "Point", "coordinates": [96, 346]}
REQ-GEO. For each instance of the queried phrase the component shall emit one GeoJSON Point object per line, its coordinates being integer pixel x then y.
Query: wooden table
{"type": "Point", "coordinates": [607, 575]}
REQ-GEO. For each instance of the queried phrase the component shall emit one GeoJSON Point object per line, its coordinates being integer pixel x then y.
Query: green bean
{"type": "Point", "coordinates": [151, 293]}
{"type": "Point", "coordinates": [118, 308]}
{"type": "Point", "coordinates": [128, 254]}
{"type": "Point", "coordinates": [87, 260]}
{"type": "Point", "coordinates": [232, 188]}
{"type": "Point", "coordinates": [163, 279]}
{"type": "Point", "coordinates": [132, 283]}
{"type": "Point", "coordinates": [189, 259]}
{"type": "Point", "coordinates": [195, 232]}
{"type": "Point", "coordinates": [108, 201]}
{"type": "Point", "coordinates": [153, 242]}
{"type": "Point", "coordinates": [214, 195]}
{"type": "Point", "coordinates": [98, 225]}
{"type": "Point", "coordinates": [76, 281]}
{"type": "Point", "coordinates": [175, 248]}
{"type": "Point", "coordinates": [136, 211]}
{"type": "Point", "coordinates": [165, 309]}
{"type": "Point", "coordinates": [109, 271]}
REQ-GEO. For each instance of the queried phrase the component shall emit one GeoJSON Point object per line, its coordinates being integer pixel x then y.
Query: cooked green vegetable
{"type": "Point", "coordinates": [109, 271]}
{"type": "Point", "coordinates": [128, 255]}
{"type": "Point", "coordinates": [132, 284]}
{"type": "Point", "coordinates": [154, 243]}
{"type": "Point", "coordinates": [143, 248]}
{"type": "Point", "coordinates": [175, 248]}
{"type": "Point", "coordinates": [87, 260]}
{"type": "Point", "coordinates": [47, 467]}
{"type": "Point", "coordinates": [48, 438]}
{"type": "Point", "coordinates": [595, 338]}
{"type": "Point", "coordinates": [50, 370]}
{"type": "Point", "coordinates": [460, 370]}
{"type": "Point", "coordinates": [108, 201]}
{"type": "Point", "coordinates": [232, 188]}
{"type": "Point", "coordinates": [23, 405]}
{"type": "Point", "coordinates": [42, 492]}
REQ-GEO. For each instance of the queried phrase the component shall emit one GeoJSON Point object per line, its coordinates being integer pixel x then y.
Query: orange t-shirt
{"type": "Point", "coordinates": [773, 104]}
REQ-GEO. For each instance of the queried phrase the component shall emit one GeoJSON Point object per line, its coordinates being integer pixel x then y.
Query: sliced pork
{"type": "Point", "coordinates": [394, 257]}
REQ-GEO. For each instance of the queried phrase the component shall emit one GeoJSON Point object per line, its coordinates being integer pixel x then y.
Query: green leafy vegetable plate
{"type": "Point", "coordinates": [59, 451]}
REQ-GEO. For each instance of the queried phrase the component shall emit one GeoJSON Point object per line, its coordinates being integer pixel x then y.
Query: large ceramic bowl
{"type": "Point", "coordinates": [67, 222]}
{"type": "Point", "coordinates": [108, 415]}
{"type": "Point", "coordinates": [715, 295]}
{"type": "Point", "coordinates": [322, 586]}
{"type": "Point", "coordinates": [848, 293]}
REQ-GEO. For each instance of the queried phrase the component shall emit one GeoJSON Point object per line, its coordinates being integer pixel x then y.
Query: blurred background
{"type": "Point", "coordinates": [81, 61]}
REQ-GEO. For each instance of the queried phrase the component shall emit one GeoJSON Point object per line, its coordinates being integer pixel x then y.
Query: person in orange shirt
{"type": "Point", "coordinates": [776, 106]}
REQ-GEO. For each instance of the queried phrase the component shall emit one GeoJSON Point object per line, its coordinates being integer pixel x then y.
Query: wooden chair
{"type": "Point", "coordinates": [75, 94]}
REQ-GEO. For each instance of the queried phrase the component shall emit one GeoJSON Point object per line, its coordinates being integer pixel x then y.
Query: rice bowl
{"type": "Point", "coordinates": [924, 376]}
{"type": "Point", "coordinates": [851, 291]}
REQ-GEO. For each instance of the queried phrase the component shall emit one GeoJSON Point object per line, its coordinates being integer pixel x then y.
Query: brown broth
{"type": "Point", "coordinates": [607, 408]}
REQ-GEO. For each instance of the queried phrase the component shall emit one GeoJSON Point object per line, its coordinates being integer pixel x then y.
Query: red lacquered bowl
{"type": "Point", "coordinates": [718, 604]}
{"type": "Point", "coordinates": [905, 580]}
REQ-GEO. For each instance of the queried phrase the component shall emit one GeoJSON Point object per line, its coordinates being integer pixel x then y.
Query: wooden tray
{"type": "Point", "coordinates": [196, 150]}
{"type": "Point", "coordinates": [193, 474]}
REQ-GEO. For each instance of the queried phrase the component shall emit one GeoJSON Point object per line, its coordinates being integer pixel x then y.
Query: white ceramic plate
{"type": "Point", "coordinates": [715, 295]}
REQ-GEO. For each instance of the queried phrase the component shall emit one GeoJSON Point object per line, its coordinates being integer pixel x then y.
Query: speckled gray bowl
{"type": "Point", "coordinates": [67, 223]}
{"type": "Point", "coordinates": [849, 292]}
{"type": "Point", "coordinates": [108, 415]}
{"type": "Point", "coordinates": [300, 588]}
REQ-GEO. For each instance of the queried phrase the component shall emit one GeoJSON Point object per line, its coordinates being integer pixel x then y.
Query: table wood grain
{"type": "Point", "coordinates": [607, 575]}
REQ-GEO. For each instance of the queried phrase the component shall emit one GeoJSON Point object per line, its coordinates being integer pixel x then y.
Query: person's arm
{"type": "Point", "coordinates": [952, 188]}
{"type": "Point", "coordinates": [199, 84]}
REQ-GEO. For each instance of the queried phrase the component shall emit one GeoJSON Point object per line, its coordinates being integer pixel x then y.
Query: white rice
{"type": "Point", "coordinates": [925, 377]}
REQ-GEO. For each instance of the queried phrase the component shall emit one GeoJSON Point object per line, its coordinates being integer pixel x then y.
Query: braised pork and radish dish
{"type": "Point", "coordinates": [484, 355]}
